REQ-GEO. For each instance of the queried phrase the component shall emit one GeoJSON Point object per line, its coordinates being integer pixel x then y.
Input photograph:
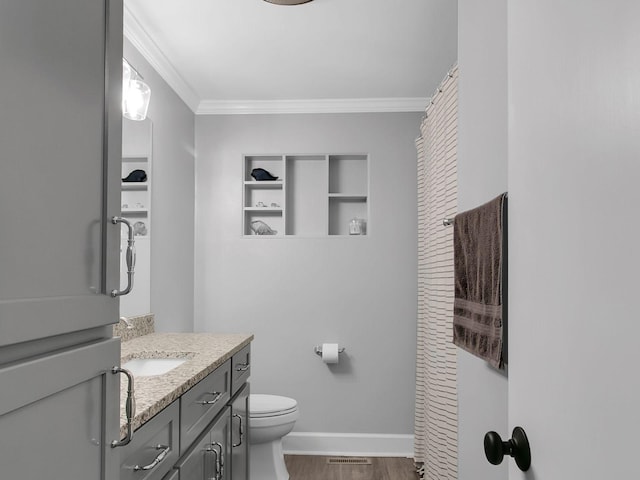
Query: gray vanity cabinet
{"type": "Point", "coordinates": [57, 415]}
{"type": "Point", "coordinates": [209, 455]}
{"type": "Point", "coordinates": [60, 144]}
{"type": "Point", "coordinates": [60, 154]}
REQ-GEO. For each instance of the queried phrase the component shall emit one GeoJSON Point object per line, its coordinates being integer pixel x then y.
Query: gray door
{"type": "Point", "coordinates": [574, 171]}
{"type": "Point", "coordinates": [59, 424]}
{"type": "Point", "coordinates": [60, 148]}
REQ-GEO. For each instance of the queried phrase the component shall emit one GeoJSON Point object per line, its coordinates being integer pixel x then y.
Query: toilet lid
{"type": "Point", "coordinates": [261, 405]}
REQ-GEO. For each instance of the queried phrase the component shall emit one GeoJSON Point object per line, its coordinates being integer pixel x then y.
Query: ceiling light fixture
{"type": "Point", "coordinates": [135, 93]}
{"type": "Point", "coordinates": [288, 2]}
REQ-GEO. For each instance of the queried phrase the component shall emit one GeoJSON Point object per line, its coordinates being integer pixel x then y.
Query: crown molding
{"type": "Point", "coordinates": [140, 39]}
{"type": "Point", "coordinates": [336, 105]}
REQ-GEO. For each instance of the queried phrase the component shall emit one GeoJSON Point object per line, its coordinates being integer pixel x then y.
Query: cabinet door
{"type": "Point", "coordinates": [239, 435]}
{"type": "Point", "coordinates": [208, 457]}
{"type": "Point", "coordinates": [60, 143]}
{"type": "Point", "coordinates": [59, 413]}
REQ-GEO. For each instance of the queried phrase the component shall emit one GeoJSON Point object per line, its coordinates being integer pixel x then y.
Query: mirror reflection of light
{"type": "Point", "coordinates": [135, 93]}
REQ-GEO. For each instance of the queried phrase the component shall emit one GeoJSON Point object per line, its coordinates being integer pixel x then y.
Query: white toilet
{"type": "Point", "coordinates": [271, 417]}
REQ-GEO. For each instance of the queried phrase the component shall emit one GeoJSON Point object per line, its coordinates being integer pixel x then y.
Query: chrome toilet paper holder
{"type": "Point", "coordinates": [318, 350]}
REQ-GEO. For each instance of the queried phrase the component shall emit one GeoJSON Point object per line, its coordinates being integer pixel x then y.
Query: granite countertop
{"type": "Point", "coordinates": [204, 352]}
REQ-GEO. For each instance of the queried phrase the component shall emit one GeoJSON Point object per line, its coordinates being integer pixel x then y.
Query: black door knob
{"type": "Point", "coordinates": [517, 447]}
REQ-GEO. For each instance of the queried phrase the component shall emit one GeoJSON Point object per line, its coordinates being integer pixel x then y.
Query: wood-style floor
{"type": "Point", "coordinates": [308, 467]}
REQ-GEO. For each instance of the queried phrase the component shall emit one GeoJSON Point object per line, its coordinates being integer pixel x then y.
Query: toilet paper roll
{"type": "Point", "coordinates": [330, 352]}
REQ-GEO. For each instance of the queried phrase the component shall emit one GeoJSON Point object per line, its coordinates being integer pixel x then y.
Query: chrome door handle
{"type": "Point", "coordinates": [216, 474]}
{"type": "Point", "coordinates": [130, 257]}
{"type": "Point", "coordinates": [130, 407]}
{"type": "Point", "coordinates": [158, 460]}
{"type": "Point", "coordinates": [211, 402]}
{"type": "Point", "coordinates": [240, 430]}
{"type": "Point", "coordinates": [242, 367]}
{"type": "Point", "coordinates": [219, 459]}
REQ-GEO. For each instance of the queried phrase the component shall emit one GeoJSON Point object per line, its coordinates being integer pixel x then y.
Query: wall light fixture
{"type": "Point", "coordinates": [135, 93]}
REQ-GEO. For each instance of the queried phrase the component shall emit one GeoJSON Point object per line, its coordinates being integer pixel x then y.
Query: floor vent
{"type": "Point", "coordinates": [348, 461]}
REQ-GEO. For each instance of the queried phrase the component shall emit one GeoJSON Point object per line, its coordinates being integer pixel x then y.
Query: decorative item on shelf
{"type": "Point", "coordinates": [261, 175]}
{"type": "Point", "coordinates": [357, 226]}
{"type": "Point", "coordinates": [274, 205]}
{"type": "Point", "coordinates": [261, 228]}
{"type": "Point", "coordinates": [136, 176]}
{"type": "Point", "coordinates": [140, 229]}
{"type": "Point", "coordinates": [260, 204]}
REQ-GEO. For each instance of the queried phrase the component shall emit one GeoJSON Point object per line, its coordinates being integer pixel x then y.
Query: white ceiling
{"type": "Point", "coordinates": [237, 56]}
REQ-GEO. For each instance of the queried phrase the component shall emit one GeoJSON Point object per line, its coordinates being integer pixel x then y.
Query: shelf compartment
{"type": "Point", "coordinates": [305, 191]}
{"type": "Point", "coordinates": [274, 164]}
{"type": "Point", "coordinates": [342, 210]}
{"type": "Point", "coordinates": [274, 219]}
{"type": "Point", "coordinates": [252, 196]}
{"type": "Point", "coordinates": [348, 174]}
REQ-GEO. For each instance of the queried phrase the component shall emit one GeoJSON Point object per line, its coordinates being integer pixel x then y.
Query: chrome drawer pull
{"type": "Point", "coordinates": [161, 456]}
{"type": "Point", "coordinates": [241, 430]}
{"type": "Point", "coordinates": [130, 407]}
{"type": "Point", "coordinates": [242, 367]}
{"type": "Point", "coordinates": [211, 402]}
{"type": "Point", "coordinates": [130, 256]}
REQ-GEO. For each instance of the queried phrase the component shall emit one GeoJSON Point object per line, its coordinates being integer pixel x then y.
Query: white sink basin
{"type": "Point", "coordinates": [147, 367]}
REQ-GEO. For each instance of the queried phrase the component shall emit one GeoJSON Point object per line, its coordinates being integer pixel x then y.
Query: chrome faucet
{"type": "Point", "coordinates": [126, 321]}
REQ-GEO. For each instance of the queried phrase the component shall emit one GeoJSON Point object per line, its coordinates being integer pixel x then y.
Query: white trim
{"type": "Point", "coordinates": [334, 105]}
{"type": "Point", "coordinates": [348, 444]}
{"type": "Point", "coordinates": [140, 39]}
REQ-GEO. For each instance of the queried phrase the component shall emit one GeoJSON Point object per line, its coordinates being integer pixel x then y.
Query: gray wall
{"type": "Point", "coordinates": [172, 216]}
{"type": "Point", "coordinates": [482, 175]}
{"type": "Point", "coordinates": [295, 293]}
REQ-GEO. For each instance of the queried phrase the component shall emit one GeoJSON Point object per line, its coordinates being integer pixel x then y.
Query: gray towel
{"type": "Point", "coordinates": [478, 262]}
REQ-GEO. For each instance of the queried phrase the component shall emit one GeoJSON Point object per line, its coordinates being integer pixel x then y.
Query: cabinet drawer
{"type": "Point", "coordinates": [240, 368]}
{"type": "Point", "coordinates": [143, 458]}
{"type": "Point", "coordinates": [202, 403]}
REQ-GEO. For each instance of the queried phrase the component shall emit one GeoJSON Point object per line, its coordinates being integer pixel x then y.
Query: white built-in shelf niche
{"type": "Point", "coordinates": [314, 195]}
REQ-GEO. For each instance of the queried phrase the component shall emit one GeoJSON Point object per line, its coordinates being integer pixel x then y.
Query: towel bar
{"type": "Point", "coordinates": [447, 222]}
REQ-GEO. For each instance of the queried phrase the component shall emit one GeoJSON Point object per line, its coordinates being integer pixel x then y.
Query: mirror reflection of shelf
{"type": "Point", "coordinates": [135, 185]}
{"type": "Point", "coordinates": [134, 211]}
{"type": "Point", "coordinates": [136, 206]}
{"type": "Point", "coordinates": [315, 195]}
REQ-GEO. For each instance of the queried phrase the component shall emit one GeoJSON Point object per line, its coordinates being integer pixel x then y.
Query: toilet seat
{"type": "Point", "coordinates": [262, 406]}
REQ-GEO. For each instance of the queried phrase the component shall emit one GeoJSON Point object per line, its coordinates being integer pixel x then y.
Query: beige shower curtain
{"type": "Point", "coordinates": [436, 423]}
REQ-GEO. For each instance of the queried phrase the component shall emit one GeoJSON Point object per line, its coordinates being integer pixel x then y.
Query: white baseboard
{"type": "Point", "coordinates": [348, 444]}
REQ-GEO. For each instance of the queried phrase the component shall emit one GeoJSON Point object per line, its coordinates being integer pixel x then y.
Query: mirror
{"type": "Point", "coordinates": [136, 207]}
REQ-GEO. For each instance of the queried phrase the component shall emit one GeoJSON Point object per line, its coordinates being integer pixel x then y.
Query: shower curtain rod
{"type": "Point", "coordinates": [438, 91]}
